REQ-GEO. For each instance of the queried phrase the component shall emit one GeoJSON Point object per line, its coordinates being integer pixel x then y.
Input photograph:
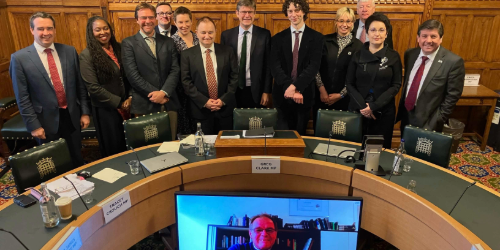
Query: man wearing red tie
{"type": "Point", "coordinates": [434, 81]}
{"type": "Point", "coordinates": [51, 96]}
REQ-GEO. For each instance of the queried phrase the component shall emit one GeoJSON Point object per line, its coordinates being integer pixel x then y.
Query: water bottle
{"type": "Point", "coordinates": [399, 159]}
{"type": "Point", "coordinates": [198, 141]}
{"type": "Point", "coordinates": [50, 213]}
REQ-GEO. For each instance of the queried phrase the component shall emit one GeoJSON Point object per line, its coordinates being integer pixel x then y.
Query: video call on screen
{"type": "Point", "coordinates": [217, 222]}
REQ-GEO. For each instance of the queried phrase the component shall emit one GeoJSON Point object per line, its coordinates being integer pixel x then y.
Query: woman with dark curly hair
{"type": "Point", "coordinates": [102, 72]}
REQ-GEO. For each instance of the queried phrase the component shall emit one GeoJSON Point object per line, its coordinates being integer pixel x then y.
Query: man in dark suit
{"type": "Point", "coordinates": [209, 74]}
{"type": "Point", "coordinates": [365, 9]}
{"type": "Point", "coordinates": [295, 60]}
{"type": "Point", "coordinates": [254, 79]}
{"type": "Point", "coordinates": [50, 93]}
{"type": "Point", "coordinates": [164, 15]}
{"type": "Point", "coordinates": [434, 80]}
{"type": "Point", "coordinates": [151, 64]}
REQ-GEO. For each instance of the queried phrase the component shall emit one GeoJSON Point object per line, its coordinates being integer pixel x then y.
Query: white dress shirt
{"type": "Point", "coordinates": [249, 43]}
{"type": "Point", "coordinates": [214, 61]}
{"type": "Point", "coordinates": [418, 62]}
{"type": "Point", "coordinates": [300, 35]}
{"type": "Point", "coordinates": [361, 28]}
{"type": "Point", "coordinates": [43, 57]}
{"type": "Point", "coordinates": [162, 31]}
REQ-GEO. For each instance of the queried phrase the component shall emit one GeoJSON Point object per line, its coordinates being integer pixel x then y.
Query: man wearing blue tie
{"type": "Point", "coordinates": [50, 93]}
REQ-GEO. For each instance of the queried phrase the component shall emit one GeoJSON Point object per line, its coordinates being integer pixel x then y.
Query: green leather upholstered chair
{"type": "Point", "coordinates": [427, 145]}
{"type": "Point", "coordinates": [147, 129]}
{"type": "Point", "coordinates": [345, 125]}
{"type": "Point", "coordinates": [39, 164]}
{"type": "Point", "coordinates": [246, 119]}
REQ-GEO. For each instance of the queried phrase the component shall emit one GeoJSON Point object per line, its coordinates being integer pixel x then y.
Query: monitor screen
{"type": "Point", "coordinates": [240, 221]}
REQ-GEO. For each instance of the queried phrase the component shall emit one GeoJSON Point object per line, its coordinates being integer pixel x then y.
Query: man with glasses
{"type": "Point", "coordinates": [164, 16]}
{"type": "Point", "coordinates": [252, 44]}
{"type": "Point", "coordinates": [365, 9]}
{"type": "Point", "coordinates": [151, 64]}
{"type": "Point", "coordinates": [262, 234]}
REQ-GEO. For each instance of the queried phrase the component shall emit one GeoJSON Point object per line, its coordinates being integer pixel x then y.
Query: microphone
{"type": "Point", "coordinates": [265, 141]}
{"type": "Point", "coordinates": [330, 134]}
{"type": "Point", "coordinates": [77, 192]}
{"type": "Point", "coordinates": [140, 164]}
{"type": "Point", "coordinates": [474, 183]}
{"type": "Point", "coordinates": [20, 242]}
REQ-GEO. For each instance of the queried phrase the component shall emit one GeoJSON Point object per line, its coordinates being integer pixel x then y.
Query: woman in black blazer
{"type": "Point", "coordinates": [338, 50]}
{"type": "Point", "coordinates": [373, 80]}
{"type": "Point", "coordinates": [102, 72]}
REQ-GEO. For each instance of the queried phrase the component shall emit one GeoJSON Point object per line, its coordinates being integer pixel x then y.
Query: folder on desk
{"type": "Point", "coordinates": [163, 161]}
{"type": "Point", "coordinates": [259, 133]}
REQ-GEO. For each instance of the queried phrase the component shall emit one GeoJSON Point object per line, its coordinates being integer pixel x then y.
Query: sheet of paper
{"type": "Point", "coordinates": [188, 140]}
{"type": "Point", "coordinates": [109, 175]}
{"type": "Point", "coordinates": [230, 136]}
{"type": "Point", "coordinates": [209, 138]}
{"type": "Point", "coordinates": [62, 187]}
{"type": "Point", "coordinates": [169, 146]}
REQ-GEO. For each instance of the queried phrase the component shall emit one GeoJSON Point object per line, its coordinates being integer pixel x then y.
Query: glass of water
{"type": "Point", "coordinates": [87, 197]}
{"type": "Point", "coordinates": [134, 167]}
{"type": "Point", "coordinates": [210, 149]}
{"type": "Point", "coordinates": [407, 165]}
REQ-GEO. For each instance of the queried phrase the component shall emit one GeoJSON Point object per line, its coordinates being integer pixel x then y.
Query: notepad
{"type": "Point", "coordinates": [169, 146]}
{"type": "Point", "coordinates": [109, 175]}
{"type": "Point", "coordinates": [188, 140]}
{"type": "Point", "coordinates": [164, 161]}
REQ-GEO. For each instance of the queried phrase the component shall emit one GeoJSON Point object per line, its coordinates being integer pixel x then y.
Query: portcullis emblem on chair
{"type": "Point", "coordinates": [255, 122]}
{"type": "Point", "coordinates": [46, 166]}
{"type": "Point", "coordinates": [424, 145]}
{"type": "Point", "coordinates": [150, 132]}
{"type": "Point", "coordinates": [339, 128]}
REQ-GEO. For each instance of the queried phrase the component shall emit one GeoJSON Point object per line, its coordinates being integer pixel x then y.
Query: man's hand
{"type": "Point", "coordinates": [264, 100]}
{"type": "Point", "coordinates": [126, 104]}
{"type": "Point", "coordinates": [290, 91]}
{"type": "Point", "coordinates": [213, 105]}
{"type": "Point", "coordinates": [323, 95]}
{"type": "Point", "coordinates": [164, 100]}
{"type": "Point", "coordinates": [84, 121]}
{"type": "Point", "coordinates": [38, 133]}
{"type": "Point", "coordinates": [156, 96]}
{"type": "Point", "coordinates": [333, 98]}
{"type": "Point", "coordinates": [298, 98]}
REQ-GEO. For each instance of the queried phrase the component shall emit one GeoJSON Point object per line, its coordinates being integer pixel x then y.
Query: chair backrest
{"type": "Point", "coordinates": [344, 125]}
{"type": "Point", "coordinates": [147, 129]}
{"type": "Point", "coordinates": [427, 145]}
{"type": "Point", "coordinates": [39, 164]}
{"type": "Point", "coordinates": [246, 119]}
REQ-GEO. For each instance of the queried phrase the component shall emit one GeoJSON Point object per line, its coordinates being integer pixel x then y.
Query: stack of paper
{"type": "Point", "coordinates": [188, 140]}
{"type": "Point", "coordinates": [169, 146]}
{"type": "Point", "coordinates": [209, 138]}
{"type": "Point", "coordinates": [109, 175]}
{"type": "Point", "coordinates": [62, 187]}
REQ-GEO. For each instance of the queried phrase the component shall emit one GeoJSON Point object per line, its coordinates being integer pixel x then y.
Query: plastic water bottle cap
{"type": "Point", "coordinates": [402, 140]}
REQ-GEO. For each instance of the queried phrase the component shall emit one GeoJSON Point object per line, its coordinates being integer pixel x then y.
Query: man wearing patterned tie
{"type": "Point", "coordinates": [252, 44]}
{"type": "Point", "coordinates": [50, 93]}
{"type": "Point", "coordinates": [295, 60]}
{"type": "Point", "coordinates": [434, 80]}
{"type": "Point", "coordinates": [209, 75]}
{"type": "Point", "coordinates": [151, 63]}
{"type": "Point", "coordinates": [365, 9]}
{"type": "Point", "coordinates": [164, 15]}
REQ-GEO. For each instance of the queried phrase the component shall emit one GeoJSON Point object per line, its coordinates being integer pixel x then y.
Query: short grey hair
{"type": "Point", "coordinates": [40, 14]}
{"type": "Point", "coordinates": [362, 1]}
{"type": "Point", "coordinates": [246, 3]}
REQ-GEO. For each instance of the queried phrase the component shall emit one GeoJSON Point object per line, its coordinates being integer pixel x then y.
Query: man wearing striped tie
{"type": "Point", "coordinates": [209, 75]}
{"type": "Point", "coordinates": [365, 9]}
{"type": "Point", "coordinates": [50, 93]}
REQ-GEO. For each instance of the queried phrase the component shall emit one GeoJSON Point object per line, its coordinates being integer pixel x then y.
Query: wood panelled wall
{"type": "Point", "coordinates": [472, 28]}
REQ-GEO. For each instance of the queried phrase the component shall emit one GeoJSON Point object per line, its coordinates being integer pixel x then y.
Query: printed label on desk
{"type": "Point", "coordinates": [266, 165]}
{"type": "Point", "coordinates": [472, 79]}
{"type": "Point", "coordinates": [71, 240]}
{"type": "Point", "coordinates": [115, 205]}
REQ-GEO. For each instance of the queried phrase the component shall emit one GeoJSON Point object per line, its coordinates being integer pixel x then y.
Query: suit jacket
{"type": "Point", "coordinates": [388, 40]}
{"type": "Point", "coordinates": [441, 89]}
{"type": "Point", "coordinates": [310, 50]}
{"type": "Point", "coordinates": [147, 73]}
{"type": "Point", "coordinates": [260, 50]}
{"type": "Point", "coordinates": [195, 85]}
{"type": "Point", "coordinates": [172, 30]}
{"type": "Point", "coordinates": [103, 93]}
{"type": "Point", "coordinates": [35, 94]}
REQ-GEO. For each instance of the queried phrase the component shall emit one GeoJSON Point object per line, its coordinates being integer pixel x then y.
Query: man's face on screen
{"type": "Point", "coordinates": [263, 233]}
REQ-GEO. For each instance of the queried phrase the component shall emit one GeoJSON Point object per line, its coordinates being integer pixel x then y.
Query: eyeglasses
{"type": "Point", "coordinates": [267, 230]}
{"type": "Point", "coordinates": [147, 17]}
{"type": "Point", "coordinates": [344, 21]}
{"type": "Point", "coordinates": [164, 13]}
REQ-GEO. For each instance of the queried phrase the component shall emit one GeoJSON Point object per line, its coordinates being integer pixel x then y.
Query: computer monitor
{"type": "Point", "coordinates": [219, 221]}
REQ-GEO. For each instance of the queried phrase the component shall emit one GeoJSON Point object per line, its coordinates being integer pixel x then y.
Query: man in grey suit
{"type": "Point", "coordinates": [151, 64]}
{"type": "Point", "coordinates": [50, 93]}
{"type": "Point", "coordinates": [434, 80]}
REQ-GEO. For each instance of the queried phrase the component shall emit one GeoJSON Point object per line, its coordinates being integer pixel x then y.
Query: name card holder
{"type": "Point", "coordinates": [115, 205]}
{"type": "Point", "coordinates": [71, 240]}
{"type": "Point", "coordinates": [266, 165]}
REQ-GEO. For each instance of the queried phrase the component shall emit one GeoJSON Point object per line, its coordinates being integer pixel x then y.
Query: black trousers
{"type": "Point", "coordinates": [72, 136]}
{"type": "Point", "coordinates": [213, 125]}
{"type": "Point", "coordinates": [245, 100]}
{"type": "Point", "coordinates": [109, 128]}
{"type": "Point", "coordinates": [293, 117]}
{"type": "Point", "coordinates": [383, 125]}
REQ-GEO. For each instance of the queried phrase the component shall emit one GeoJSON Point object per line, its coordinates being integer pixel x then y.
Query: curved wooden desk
{"type": "Point", "coordinates": [400, 217]}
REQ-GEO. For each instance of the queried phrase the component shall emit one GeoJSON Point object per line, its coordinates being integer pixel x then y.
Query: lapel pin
{"type": "Point", "coordinates": [440, 61]}
{"type": "Point", "coordinates": [349, 53]}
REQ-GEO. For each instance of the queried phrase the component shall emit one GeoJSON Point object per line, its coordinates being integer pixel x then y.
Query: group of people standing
{"type": "Point", "coordinates": [170, 68]}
